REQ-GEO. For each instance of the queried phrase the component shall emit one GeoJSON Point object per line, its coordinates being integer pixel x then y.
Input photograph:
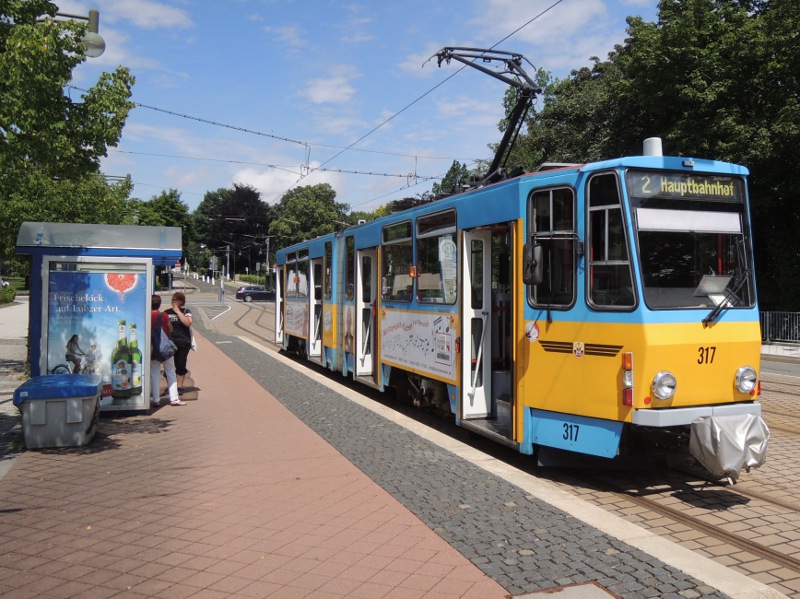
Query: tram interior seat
{"type": "Point", "coordinates": [675, 297]}
{"type": "Point", "coordinates": [401, 288]}
{"type": "Point", "coordinates": [430, 288]}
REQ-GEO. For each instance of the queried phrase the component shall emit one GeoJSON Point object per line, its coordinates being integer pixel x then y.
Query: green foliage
{"type": "Point", "coordinates": [7, 295]}
{"type": "Point", "coordinates": [51, 145]}
{"type": "Point", "coordinates": [307, 212]}
{"type": "Point", "coordinates": [206, 211]}
{"type": "Point", "coordinates": [714, 79]}
{"type": "Point", "coordinates": [405, 203]}
{"type": "Point", "coordinates": [357, 215]}
{"type": "Point", "coordinates": [454, 181]}
{"type": "Point", "coordinates": [88, 199]}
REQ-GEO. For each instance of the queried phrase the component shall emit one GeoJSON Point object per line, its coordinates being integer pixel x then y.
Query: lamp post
{"type": "Point", "coordinates": [94, 45]}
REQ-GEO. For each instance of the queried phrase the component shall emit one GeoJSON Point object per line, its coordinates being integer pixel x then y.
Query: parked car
{"type": "Point", "coordinates": [250, 293]}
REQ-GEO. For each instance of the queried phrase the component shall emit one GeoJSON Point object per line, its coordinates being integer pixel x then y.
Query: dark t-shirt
{"type": "Point", "coordinates": [181, 335]}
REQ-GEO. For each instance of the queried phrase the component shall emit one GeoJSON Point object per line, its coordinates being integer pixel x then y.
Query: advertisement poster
{"type": "Point", "coordinates": [419, 341]}
{"type": "Point", "coordinates": [96, 324]}
{"type": "Point", "coordinates": [297, 319]}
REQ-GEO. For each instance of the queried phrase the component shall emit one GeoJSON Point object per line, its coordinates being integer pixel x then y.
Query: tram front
{"type": "Point", "coordinates": [698, 367]}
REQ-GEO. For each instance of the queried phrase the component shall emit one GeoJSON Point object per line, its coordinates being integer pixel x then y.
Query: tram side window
{"type": "Point", "coordinates": [610, 282]}
{"type": "Point", "coordinates": [291, 274]}
{"type": "Point", "coordinates": [437, 257]}
{"type": "Point", "coordinates": [553, 221]}
{"type": "Point", "coordinates": [301, 276]}
{"type": "Point", "coordinates": [397, 283]}
{"type": "Point", "coordinates": [350, 267]}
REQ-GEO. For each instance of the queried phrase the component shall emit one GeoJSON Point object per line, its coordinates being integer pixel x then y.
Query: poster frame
{"type": "Point", "coordinates": [92, 264]}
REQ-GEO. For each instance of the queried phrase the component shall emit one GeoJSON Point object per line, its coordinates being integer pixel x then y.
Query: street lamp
{"type": "Point", "coordinates": [94, 45]}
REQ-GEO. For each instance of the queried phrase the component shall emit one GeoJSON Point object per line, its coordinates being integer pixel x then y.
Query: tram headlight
{"type": "Point", "coordinates": [664, 385]}
{"type": "Point", "coordinates": [746, 379]}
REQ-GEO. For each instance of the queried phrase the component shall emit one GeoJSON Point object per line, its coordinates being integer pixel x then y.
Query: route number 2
{"type": "Point", "coordinates": [706, 354]}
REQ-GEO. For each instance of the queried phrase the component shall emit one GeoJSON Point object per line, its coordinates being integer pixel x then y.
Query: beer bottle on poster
{"type": "Point", "coordinates": [136, 363]}
{"type": "Point", "coordinates": [121, 365]}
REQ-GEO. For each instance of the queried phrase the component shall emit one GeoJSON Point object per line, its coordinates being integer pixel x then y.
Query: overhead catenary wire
{"type": "Point", "coordinates": [442, 82]}
{"type": "Point", "coordinates": [342, 150]}
{"type": "Point", "coordinates": [288, 169]}
{"type": "Point", "coordinates": [306, 144]}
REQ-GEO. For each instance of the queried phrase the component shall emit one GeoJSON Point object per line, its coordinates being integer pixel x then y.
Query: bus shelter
{"type": "Point", "coordinates": [90, 302]}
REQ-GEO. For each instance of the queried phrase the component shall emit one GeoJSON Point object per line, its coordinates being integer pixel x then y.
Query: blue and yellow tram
{"type": "Point", "coordinates": [582, 308]}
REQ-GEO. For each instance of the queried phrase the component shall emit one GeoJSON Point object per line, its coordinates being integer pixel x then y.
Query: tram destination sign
{"type": "Point", "coordinates": [682, 186]}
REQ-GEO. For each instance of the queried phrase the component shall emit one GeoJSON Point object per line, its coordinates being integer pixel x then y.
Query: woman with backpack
{"type": "Point", "coordinates": [161, 319]}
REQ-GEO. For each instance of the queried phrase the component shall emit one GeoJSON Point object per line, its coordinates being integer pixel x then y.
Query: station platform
{"type": "Point", "coordinates": [275, 482]}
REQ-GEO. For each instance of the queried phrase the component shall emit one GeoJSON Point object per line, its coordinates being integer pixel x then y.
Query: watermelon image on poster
{"type": "Point", "coordinates": [121, 282]}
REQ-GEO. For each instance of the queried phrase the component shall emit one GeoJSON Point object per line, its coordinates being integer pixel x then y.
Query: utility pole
{"type": "Point", "coordinates": [268, 264]}
{"type": "Point", "coordinates": [228, 261]}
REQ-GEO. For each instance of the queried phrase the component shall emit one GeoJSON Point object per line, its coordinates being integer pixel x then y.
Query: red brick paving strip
{"type": "Point", "coordinates": [230, 495]}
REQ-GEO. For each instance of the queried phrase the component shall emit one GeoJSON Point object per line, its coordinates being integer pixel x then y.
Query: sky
{"type": "Point", "coordinates": [282, 93]}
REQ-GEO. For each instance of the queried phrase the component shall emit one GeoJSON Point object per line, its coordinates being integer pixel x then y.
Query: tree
{"type": "Point", "coordinates": [307, 212]}
{"type": "Point", "coordinates": [240, 224]}
{"type": "Point", "coordinates": [50, 145]}
{"type": "Point", "coordinates": [357, 215]}
{"type": "Point", "coordinates": [206, 211]}
{"type": "Point", "coordinates": [395, 206]}
{"type": "Point", "coordinates": [713, 78]}
{"type": "Point", "coordinates": [455, 181]}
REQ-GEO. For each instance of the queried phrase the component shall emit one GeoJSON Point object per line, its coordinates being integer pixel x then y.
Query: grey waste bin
{"type": "Point", "coordinates": [59, 410]}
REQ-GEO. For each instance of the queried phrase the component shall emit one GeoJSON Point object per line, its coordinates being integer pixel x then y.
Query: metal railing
{"type": "Point", "coordinates": [780, 327]}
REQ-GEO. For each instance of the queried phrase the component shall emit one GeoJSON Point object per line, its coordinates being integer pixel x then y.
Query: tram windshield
{"type": "Point", "coordinates": [691, 237]}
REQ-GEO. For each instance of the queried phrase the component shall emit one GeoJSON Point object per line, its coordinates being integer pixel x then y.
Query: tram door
{"type": "Point", "coordinates": [279, 305]}
{"type": "Point", "coordinates": [476, 375]}
{"type": "Point", "coordinates": [315, 311]}
{"type": "Point", "coordinates": [366, 310]}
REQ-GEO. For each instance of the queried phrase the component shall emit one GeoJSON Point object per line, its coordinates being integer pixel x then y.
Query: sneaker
{"type": "Point", "coordinates": [177, 403]}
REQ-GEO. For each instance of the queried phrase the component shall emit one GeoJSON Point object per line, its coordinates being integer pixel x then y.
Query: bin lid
{"type": "Point", "coordinates": [58, 386]}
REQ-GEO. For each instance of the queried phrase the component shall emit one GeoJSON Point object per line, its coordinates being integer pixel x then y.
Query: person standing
{"type": "Point", "coordinates": [180, 317]}
{"type": "Point", "coordinates": [161, 319]}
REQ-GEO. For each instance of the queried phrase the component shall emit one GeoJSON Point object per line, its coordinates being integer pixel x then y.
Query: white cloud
{"type": "Point", "coordinates": [355, 26]}
{"type": "Point", "coordinates": [273, 183]}
{"type": "Point", "coordinates": [556, 26]}
{"type": "Point", "coordinates": [422, 64]}
{"type": "Point", "coordinates": [471, 111]}
{"type": "Point", "coordinates": [334, 89]}
{"type": "Point", "coordinates": [148, 14]}
{"type": "Point", "coordinates": [290, 35]}
{"type": "Point", "coordinates": [559, 40]}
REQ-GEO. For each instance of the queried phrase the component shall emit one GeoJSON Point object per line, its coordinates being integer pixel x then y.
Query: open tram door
{"type": "Point", "coordinates": [366, 312]}
{"type": "Point", "coordinates": [315, 310]}
{"type": "Point", "coordinates": [486, 377]}
{"type": "Point", "coordinates": [476, 379]}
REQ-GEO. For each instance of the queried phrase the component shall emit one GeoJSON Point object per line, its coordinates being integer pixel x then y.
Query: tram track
{"type": "Point", "coordinates": [249, 309]}
{"type": "Point", "coordinates": [651, 496]}
{"type": "Point", "coordinates": [712, 530]}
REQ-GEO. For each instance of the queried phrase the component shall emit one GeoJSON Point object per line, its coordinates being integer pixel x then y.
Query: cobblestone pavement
{"type": "Point", "coordinates": [521, 542]}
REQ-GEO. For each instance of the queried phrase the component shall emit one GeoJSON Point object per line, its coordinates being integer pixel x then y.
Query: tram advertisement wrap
{"type": "Point", "coordinates": [419, 341]}
{"type": "Point", "coordinates": [96, 325]}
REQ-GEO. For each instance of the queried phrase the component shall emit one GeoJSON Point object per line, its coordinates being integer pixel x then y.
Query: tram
{"type": "Point", "coordinates": [601, 309]}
